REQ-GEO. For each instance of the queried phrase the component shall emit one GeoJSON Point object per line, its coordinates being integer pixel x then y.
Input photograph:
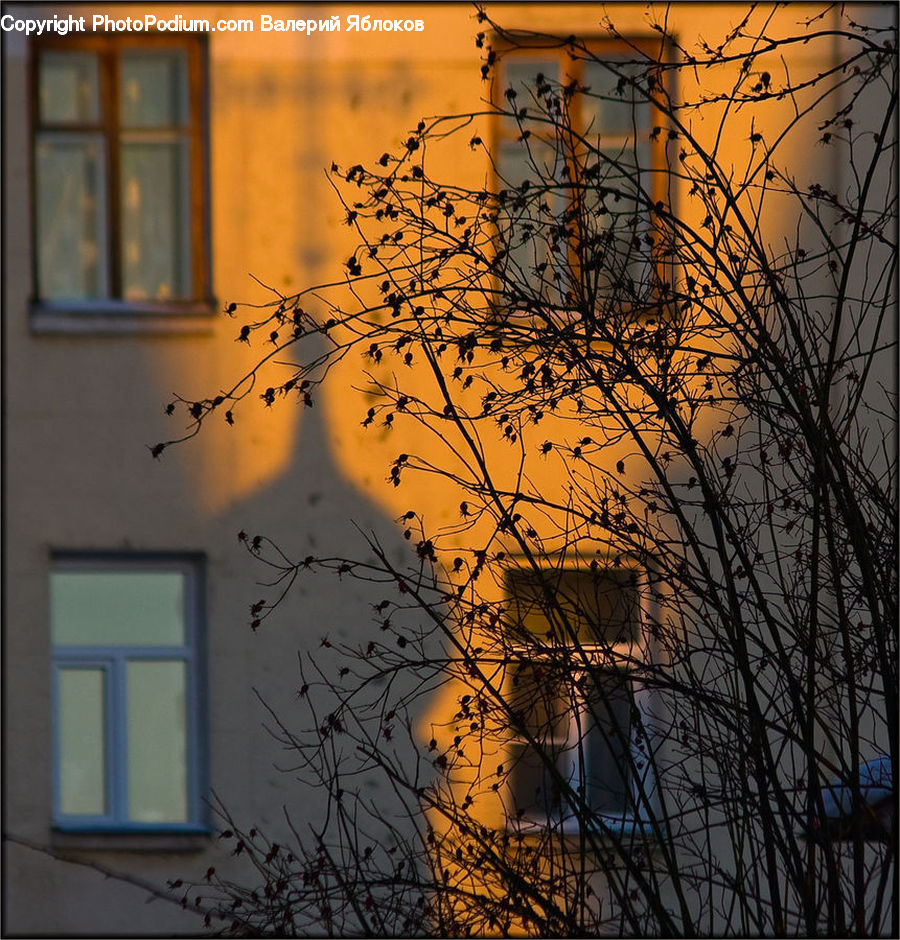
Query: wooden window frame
{"type": "Point", "coordinates": [108, 50]}
{"type": "Point", "coordinates": [113, 660]}
{"type": "Point", "coordinates": [626, 49]}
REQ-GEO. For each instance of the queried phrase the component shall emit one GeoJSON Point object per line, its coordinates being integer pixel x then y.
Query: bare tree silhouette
{"type": "Point", "coordinates": [652, 362]}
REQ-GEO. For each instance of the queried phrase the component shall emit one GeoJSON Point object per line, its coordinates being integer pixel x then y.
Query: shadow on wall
{"type": "Point", "coordinates": [312, 508]}
{"type": "Point", "coordinates": [320, 511]}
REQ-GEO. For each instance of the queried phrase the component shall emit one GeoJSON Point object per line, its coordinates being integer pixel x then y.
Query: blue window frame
{"type": "Point", "coordinates": [128, 692]}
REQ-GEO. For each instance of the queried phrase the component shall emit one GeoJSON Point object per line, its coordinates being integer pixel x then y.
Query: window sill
{"type": "Point", "coordinates": [125, 840]}
{"type": "Point", "coordinates": [115, 318]}
{"type": "Point", "coordinates": [609, 827]}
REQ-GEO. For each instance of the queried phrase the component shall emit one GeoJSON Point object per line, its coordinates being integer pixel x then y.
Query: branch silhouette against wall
{"type": "Point", "coordinates": [656, 380]}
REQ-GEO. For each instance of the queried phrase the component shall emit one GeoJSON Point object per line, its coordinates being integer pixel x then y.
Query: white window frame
{"type": "Point", "coordinates": [613, 657]}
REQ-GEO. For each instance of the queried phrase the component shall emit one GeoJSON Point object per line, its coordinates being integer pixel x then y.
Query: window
{"type": "Point", "coordinates": [120, 175]}
{"type": "Point", "coordinates": [579, 747]}
{"type": "Point", "coordinates": [576, 172]}
{"type": "Point", "coordinates": [127, 693]}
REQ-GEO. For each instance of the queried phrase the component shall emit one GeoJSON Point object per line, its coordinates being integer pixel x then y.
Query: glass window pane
{"type": "Point", "coordinates": [153, 89]}
{"type": "Point", "coordinates": [608, 741]}
{"type": "Point", "coordinates": [80, 729]}
{"type": "Point", "coordinates": [524, 77]}
{"type": "Point", "coordinates": [533, 788]}
{"type": "Point", "coordinates": [537, 161]}
{"type": "Point", "coordinates": [537, 257]}
{"type": "Point", "coordinates": [575, 605]}
{"type": "Point", "coordinates": [541, 695]}
{"type": "Point", "coordinates": [613, 106]}
{"type": "Point", "coordinates": [583, 727]}
{"type": "Point", "coordinates": [612, 198]}
{"type": "Point", "coordinates": [157, 742]}
{"type": "Point", "coordinates": [118, 608]}
{"type": "Point", "coordinates": [71, 213]}
{"type": "Point", "coordinates": [68, 87]}
{"type": "Point", "coordinates": [155, 197]}
{"type": "Point", "coordinates": [522, 73]}
{"type": "Point", "coordinates": [623, 187]}
{"type": "Point", "coordinates": [544, 698]}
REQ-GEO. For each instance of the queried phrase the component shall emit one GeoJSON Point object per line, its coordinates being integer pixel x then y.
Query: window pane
{"type": "Point", "coordinates": [153, 89]}
{"type": "Point", "coordinates": [71, 212]}
{"type": "Point", "coordinates": [542, 698]}
{"type": "Point", "coordinates": [118, 608]}
{"type": "Point", "coordinates": [618, 215]}
{"type": "Point", "coordinates": [613, 106]}
{"type": "Point", "coordinates": [68, 88]}
{"type": "Point", "coordinates": [536, 253]}
{"type": "Point", "coordinates": [536, 161]}
{"type": "Point", "coordinates": [608, 741]}
{"type": "Point", "coordinates": [80, 728]}
{"type": "Point", "coordinates": [155, 220]}
{"type": "Point", "coordinates": [582, 724]}
{"type": "Point", "coordinates": [521, 75]}
{"type": "Point", "coordinates": [534, 789]}
{"type": "Point", "coordinates": [576, 606]}
{"type": "Point", "coordinates": [157, 742]}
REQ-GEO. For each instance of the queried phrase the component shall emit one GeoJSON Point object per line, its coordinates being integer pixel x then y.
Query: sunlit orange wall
{"type": "Point", "coordinates": [283, 107]}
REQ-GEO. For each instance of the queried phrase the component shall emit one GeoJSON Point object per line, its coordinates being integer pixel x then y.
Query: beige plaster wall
{"type": "Point", "coordinates": [81, 409]}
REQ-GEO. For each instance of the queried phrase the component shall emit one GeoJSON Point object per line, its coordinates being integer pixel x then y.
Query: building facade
{"type": "Point", "coordinates": [153, 177]}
